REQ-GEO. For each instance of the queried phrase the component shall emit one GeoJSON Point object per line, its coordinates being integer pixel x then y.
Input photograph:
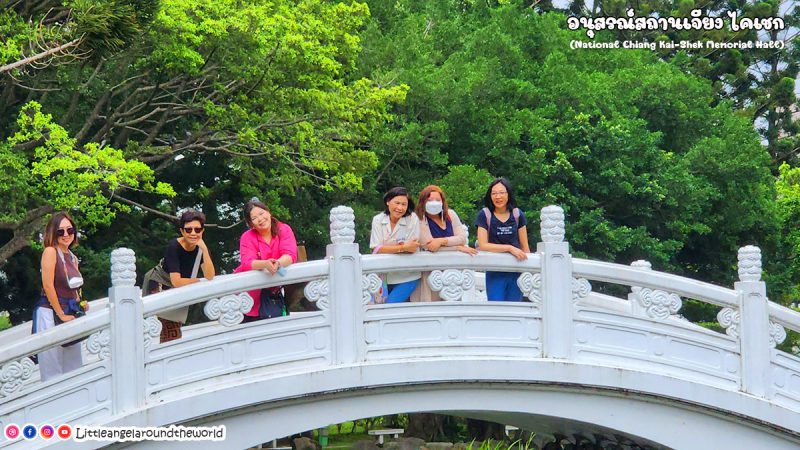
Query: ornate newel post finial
{"type": "Point", "coordinates": [343, 225]}
{"type": "Point", "coordinates": [552, 224]}
{"type": "Point", "coordinates": [750, 263]}
{"type": "Point", "coordinates": [123, 267]}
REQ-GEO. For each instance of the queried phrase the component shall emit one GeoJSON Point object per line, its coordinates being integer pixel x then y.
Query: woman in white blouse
{"type": "Point", "coordinates": [396, 230]}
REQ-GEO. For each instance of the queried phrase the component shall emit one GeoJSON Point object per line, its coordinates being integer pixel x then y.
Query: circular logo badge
{"type": "Point", "coordinates": [29, 432]}
{"type": "Point", "coordinates": [12, 431]}
{"type": "Point", "coordinates": [64, 431]}
{"type": "Point", "coordinates": [47, 432]}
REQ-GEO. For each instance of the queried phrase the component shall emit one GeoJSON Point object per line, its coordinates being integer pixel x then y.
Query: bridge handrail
{"type": "Point", "coordinates": [164, 301]}
{"type": "Point", "coordinates": [426, 261]}
{"type": "Point", "coordinates": [632, 276]}
{"type": "Point", "coordinates": [231, 284]}
{"type": "Point", "coordinates": [782, 315]}
{"type": "Point", "coordinates": [55, 336]}
{"type": "Point", "coordinates": [592, 270]}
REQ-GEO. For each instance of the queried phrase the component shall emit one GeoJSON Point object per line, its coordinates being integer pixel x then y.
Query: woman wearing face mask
{"type": "Point", "coordinates": [396, 230]}
{"type": "Point", "coordinates": [440, 230]}
{"type": "Point", "coordinates": [268, 245]}
{"type": "Point", "coordinates": [60, 300]}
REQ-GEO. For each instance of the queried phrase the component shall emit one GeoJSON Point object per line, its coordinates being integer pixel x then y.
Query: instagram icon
{"type": "Point", "coordinates": [47, 431]}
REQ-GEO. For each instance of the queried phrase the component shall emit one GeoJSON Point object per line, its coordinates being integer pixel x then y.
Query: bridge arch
{"type": "Point", "coordinates": [561, 397]}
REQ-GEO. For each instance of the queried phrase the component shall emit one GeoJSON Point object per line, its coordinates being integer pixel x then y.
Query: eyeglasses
{"type": "Point", "coordinates": [197, 230]}
{"type": "Point", "coordinates": [68, 231]}
{"type": "Point", "coordinates": [499, 194]}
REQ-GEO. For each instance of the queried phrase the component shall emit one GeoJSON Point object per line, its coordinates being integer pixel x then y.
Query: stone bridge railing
{"type": "Point", "coordinates": [127, 370]}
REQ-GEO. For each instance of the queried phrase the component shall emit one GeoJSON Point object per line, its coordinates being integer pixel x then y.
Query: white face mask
{"type": "Point", "coordinates": [433, 207]}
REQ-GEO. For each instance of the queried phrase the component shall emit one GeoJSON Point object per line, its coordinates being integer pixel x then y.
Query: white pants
{"type": "Point", "coordinates": [57, 360]}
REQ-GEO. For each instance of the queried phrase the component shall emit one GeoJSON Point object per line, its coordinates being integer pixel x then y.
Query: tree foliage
{"type": "Point", "coordinates": [647, 160]}
{"type": "Point", "coordinates": [222, 101]}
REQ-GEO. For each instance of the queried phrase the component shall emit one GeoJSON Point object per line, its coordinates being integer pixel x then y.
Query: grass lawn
{"type": "Point", "coordinates": [351, 433]}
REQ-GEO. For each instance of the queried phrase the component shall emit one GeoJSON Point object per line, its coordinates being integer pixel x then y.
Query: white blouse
{"type": "Point", "coordinates": [406, 229]}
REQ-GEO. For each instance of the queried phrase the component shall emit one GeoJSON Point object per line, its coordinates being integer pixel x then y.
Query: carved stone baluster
{"type": "Point", "coordinates": [370, 286]}
{"type": "Point", "coordinates": [229, 309]}
{"type": "Point", "coordinates": [127, 323]}
{"type": "Point", "coordinates": [557, 286]}
{"type": "Point", "coordinates": [531, 286]}
{"type": "Point", "coordinates": [344, 287]}
{"type": "Point", "coordinates": [14, 374]}
{"type": "Point", "coordinates": [317, 291]}
{"type": "Point", "coordinates": [451, 284]}
{"type": "Point", "coordinates": [652, 303]}
{"type": "Point", "coordinates": [152, 330]}
{"type": "Point", "coordinates": [754, 324]}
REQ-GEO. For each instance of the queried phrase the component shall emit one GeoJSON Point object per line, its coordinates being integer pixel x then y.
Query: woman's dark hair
{"type": "Point", "coordinates": [191, 215]}
{"type": "Point", "coordinates": [487, 199]}
{"type": "Point", "coordinates": [396, 192]}
{"type": "Point", "coordinates": [256, 203]}
{"type": "Point", "coordinates": [51, 230]}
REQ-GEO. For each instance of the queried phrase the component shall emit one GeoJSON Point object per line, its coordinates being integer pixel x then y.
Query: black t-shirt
{"type": "Point", "coordinates": [176, 259]}
{"type": "Point", "coordinates": [504, 233]}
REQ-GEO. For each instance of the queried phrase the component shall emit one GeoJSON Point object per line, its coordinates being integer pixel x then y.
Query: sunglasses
{"type": "Point", "coordinates": [68, 231]}
{"type": "Point", "coordinates": [197, 230]}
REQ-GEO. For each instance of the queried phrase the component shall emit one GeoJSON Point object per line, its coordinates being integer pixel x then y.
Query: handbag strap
{"type": "Point", "coordinates": [66, 273]}
{"type": "Point", "coordinates": [196, 267]}
{"type": "Point", "coordinates": [63, 263]}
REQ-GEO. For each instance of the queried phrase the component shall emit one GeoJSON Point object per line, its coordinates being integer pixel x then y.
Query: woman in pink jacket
{"type": "Point", "coordinates": [268, 245]}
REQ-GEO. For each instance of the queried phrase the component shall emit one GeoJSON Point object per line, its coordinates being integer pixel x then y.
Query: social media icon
{"type": "Point", "coordinates": [12, 431]}
{"type": "Point", "coordinates": [64, 431]}
{"type": "Point", "coordinates": [47, 432]}
{"type": "Point", "coordinates": [29, 432]}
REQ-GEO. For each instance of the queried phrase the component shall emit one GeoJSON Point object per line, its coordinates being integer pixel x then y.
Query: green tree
{"type": "Point", "coordinates": [223, 101]}
{"type": "Point", "coordinates": [646, 159]}
{"type": "Point", "coordinates": [759, 81]}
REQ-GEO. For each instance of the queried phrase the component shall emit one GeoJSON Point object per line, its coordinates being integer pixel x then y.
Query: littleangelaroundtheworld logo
{"type": "Point", "coordinates": [133, 434]}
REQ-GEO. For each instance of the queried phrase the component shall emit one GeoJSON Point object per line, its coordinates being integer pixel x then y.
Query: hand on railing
{"type": "Point", "coordinates": [519, 254]}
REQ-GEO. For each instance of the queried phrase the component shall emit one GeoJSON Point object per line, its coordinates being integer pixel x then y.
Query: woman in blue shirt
{"type": "Point", "coordinates": [502, 227]}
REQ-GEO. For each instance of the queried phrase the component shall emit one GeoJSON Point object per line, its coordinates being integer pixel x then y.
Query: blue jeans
{"type": "Point", "coordinates": [400, 292]}
{"type": "Point", "coordinates": [502, 286]}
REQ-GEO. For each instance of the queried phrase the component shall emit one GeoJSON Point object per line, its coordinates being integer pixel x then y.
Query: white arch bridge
{"type": "Point", "coordinates": [568, 361]}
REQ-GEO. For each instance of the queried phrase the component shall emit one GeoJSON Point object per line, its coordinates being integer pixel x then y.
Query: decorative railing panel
{"type": "Point", "coordinates": [81, 396]}
{"type": "Point", "coordinates": [301, 339]}
{"type": "Point", "coordinates": [462, 329]}
{"type": "Point", "coordinates": [669, 347]}
{"type": "Point", "coordinates": [785, 375]}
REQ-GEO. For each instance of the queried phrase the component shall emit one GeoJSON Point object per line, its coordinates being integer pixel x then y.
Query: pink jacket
{"type": "Point", "coordinates": [253, 247]}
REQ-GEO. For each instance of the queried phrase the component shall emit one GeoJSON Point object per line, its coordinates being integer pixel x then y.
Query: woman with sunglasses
{"type": "Point", "coordinates": [60, 301]}
{"type": "Point", "coordinates": [184, 259]}
{"type": "Point", "coordinates": [182, 253]}
{"type": "Point", "coordinates": [440, 229]}
{"type": "Point", "coordinates": [502, 228]}
{"type": "Point", "coordinates": [268, 245]}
